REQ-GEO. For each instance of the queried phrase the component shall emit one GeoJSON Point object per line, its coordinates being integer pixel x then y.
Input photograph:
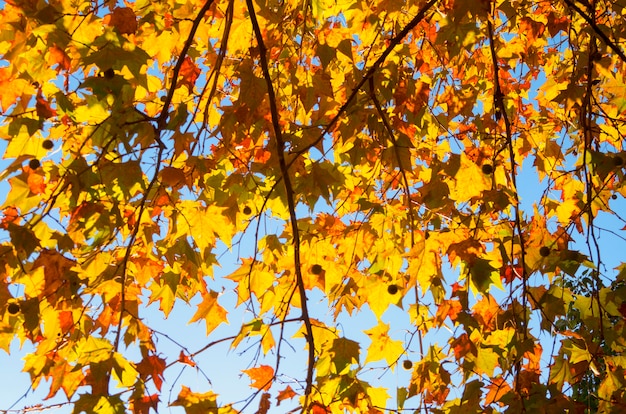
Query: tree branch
{"type": "Point", "coordinates": [395, 41]}
{"type": "Point", "coordinates": [500, 113]}
{"type": "Point", "coordinates": [162, 119]}
{"type": "Point", "coordinates": [611, 44]}
{"type": "Point", "coordinates": [284, 169]}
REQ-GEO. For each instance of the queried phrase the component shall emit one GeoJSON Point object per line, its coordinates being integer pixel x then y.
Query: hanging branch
{"type": "Point", "coordinates": [284, 170]}
{"type": "Point", "coordinates": [500, 113]}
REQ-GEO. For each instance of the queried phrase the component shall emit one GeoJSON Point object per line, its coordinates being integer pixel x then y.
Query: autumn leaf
{"type": "Point", "coordinates": [261, 376]}
{"type": "Point", "coordinates": [185, 359]}
{"type": "Point", "coordinates": [189, 73]}
{"type": "Point", "coordinates": [382, 346]}
{"type": "Point", "coordinates": [497, 389]}
{"type": "Point", "coordinates": [123, 19]}
{"type": "Point", "coordinates": [264, 403]}
{"type": "Point", "coordinates": [10, 88]}
{"type": "Point", "coordinates": [434, 184]}
{"type": "Point", "coordinates": [43, 108]}
{"type": "Point", "coordinates": [145, 403]}
{"type": "Point", "coordinates": [285, 394]}
{"type": "Point", "coordinates": [57, 56]}
{"type": "Point", "coordinates": [152, 367]}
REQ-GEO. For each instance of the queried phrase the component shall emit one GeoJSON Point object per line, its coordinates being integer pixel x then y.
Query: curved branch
{"type": "Point", "coordinates": [395, 41]}
{"type": "Point", "coordinates": [162, 119]}
{"type": "Point", "coordinates": [284, 169]}
{"type": "Point", "coordinates": [611, 44]}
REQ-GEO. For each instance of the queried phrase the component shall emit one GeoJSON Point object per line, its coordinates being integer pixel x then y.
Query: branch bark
{"type": "Point", "coordinates": [293, 218]}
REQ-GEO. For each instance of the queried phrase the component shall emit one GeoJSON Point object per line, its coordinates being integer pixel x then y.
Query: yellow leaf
{"type": "Point", "coordinates": [123, 371]}
{"type": "Point", "coordinates": [469, 181]}
{"type": "Point", "coordinates": [211, 311]}
{"type": "Point", "coordinates": [382, 346]}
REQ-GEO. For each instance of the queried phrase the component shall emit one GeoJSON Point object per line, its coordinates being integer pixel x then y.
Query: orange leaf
{"type": "Point", "coordinates": [57, 56]}
{"type": "Point", "coordinates": [261, 376]}
{"type": "Point", "coordinates": [486, 311]}
{"type": "Point", "coordinates": [287, 393]}
{"type": "Point", "coordinates": [66, 321]}
{"type": "Point", "coordinates": [317, 408]}
{"type": "Point", "coordinates": [11, 215]}
{"type": "Point", "coordinates": [497, 389]}
{"type": "Point", "coordinates": [10, 89]}
{"type": "Point", "coordinates": [36, 183]}
{"type": "Point", "coordinates": [185, 359]}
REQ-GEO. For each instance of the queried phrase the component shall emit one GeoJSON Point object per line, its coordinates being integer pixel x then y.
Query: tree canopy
{"type": "Point", "coordinates": [461, 161]}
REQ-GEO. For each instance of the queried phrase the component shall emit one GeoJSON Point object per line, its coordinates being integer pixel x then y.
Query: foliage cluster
{"type": "Point", "coordinates": [382, 139]}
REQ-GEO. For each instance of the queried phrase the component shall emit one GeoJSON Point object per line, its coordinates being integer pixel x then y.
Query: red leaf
{"type": "Point", "coordinates": [185, 359]}
{"type": "Point", "coordinates": [143, 404]}
{"type": "Point", "coordinates": [44, 110]}
{"type": "Point", "coordinates": [509, 273]}
{"type": "Point", "coordinates": [152, 366]}
{"type": "Point", "coordinates": [287, 393]}
{"type": "Point", "coordinates": [317, 408]}
{"type": "Point", "coordinates": [189, 73]}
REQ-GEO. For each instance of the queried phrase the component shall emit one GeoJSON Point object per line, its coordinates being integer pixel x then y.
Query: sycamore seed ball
{"type": "Point", "coordinates": [13, 308]}
{"type": "Point", "coordinates": [247, 210]}
{"type": "Point", "coordinates": [316, 269]}
{"type": "Point", "coordinates": [34, 164]}
{"type": "Point", "coordinates": [392, 289]}
{"type": "Point", "coordinates": [407, 364]}
{"type": "Point", "coordinates": [487, 169]}
{"type": "Point", "coordinates": [544, 251]}
{"type": "Point", "coordinates": [47, 144]}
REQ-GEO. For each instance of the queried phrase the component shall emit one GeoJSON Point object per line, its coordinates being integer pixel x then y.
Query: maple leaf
{"type": "Point", "coordinates": [185, 359]}
{"type": "Point", "coordinates": [145, 403]}
{"type": "Point", "coordinates": [261, 376]}
{"type": "Point", "coordinates": [152, 367]}
{"type": "Point", "coordinates": [196, 403]}
{"type": "Point", "coordinates": [264, 403]}
{"type": "Point", "coordinates": [498, 388]}
{"type": "Point", "coordinates": [382, 346]}
{"type": "Point", "coordinates": [189, 73]}
{"type": "Point", "coordinates": [348, 156]}
{"type": "Point", "coordinates": [123, 19]}
{"type": "Point", "coordinates": [211, 311]}
{"type": "Point", "coordinates": [57, 56]}
{"type": "Point", "coordinates": [285, 394]}
{"type": "Point", "coordinates": [10, 88]}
